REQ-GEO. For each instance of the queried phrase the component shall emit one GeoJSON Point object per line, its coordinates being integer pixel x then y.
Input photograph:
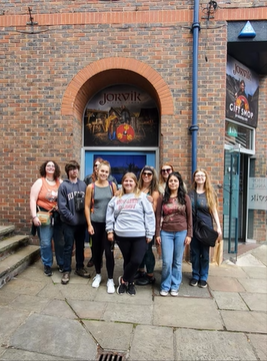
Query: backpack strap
{"type": "Point", "coordinates": [92, 197]}
{"type": "Point", "coordinates": [93, 194]}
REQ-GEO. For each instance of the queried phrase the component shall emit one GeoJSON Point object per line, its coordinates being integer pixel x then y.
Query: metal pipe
{"type": "Point", "coordinates": [194, 127]}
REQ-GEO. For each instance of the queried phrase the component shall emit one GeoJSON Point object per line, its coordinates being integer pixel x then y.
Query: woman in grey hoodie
{"type": "Point", "coordinates": [130, 221]}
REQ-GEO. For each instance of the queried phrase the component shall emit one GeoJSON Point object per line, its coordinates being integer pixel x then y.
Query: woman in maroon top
{"type": "Point", "coordinates": [175, 233]}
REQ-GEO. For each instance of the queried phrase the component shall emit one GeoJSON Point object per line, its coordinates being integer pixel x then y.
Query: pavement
{"type": "Point", "coordinates": [41, 319]}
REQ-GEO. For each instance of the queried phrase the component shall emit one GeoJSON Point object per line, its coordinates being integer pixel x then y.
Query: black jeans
{"type": "Point", "coordinates": [101, 243]}
{"type": "Point", "coordinates": [133, 251]}
{"type": "Point", "coordinates": [73, 233]}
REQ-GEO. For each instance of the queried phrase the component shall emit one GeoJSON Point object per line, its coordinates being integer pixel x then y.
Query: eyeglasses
{"type": "Point", "coordinates": [166, 170]}
{"type": "Point", "coordinates": [97, 164]}
{"type": "Point", "coordinates": [49, 165]}
{"type": "Point", "coordinates": [200, 176]}
{"type": "Point", "coordinates": [147, 173]}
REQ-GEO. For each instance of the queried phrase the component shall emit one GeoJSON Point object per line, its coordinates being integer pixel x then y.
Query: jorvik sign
{"type": "Point", "coordinates": [257, 197]}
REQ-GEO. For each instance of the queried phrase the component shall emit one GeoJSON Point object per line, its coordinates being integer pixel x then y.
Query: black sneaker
{"type": "Point", "coordinates": [60, 268]}
{"type": "Point", "coordinates": [122, 288]}
{"type": "Point", "coordinates": [202, 284]}
{"type": "Point", "coordinates": [131, 289]}
{"type": "Point", "coordinates": [145, 280]}
{"type": "Point", "coordinates": [48, 271]}
{"type": "Point", "coordinates": [139, 274]}
{"type": "Point", "coordinates": [193, 282]}
{"type": "Point", "coordinates": [82, 273]}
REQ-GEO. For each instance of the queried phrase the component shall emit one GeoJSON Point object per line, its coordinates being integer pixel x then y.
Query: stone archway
{"type": "Point", "coordinates": [108, 71]}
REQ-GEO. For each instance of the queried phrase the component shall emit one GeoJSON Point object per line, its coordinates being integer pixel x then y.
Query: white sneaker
{"type": "Point", "coordinates": [164, 293]}
{"type": "Point", "coordinates": [174, 293]}
{"type": "Point", "coordinates": [110, 286]}
{"type": "Point", "coordinates": [96, 281]}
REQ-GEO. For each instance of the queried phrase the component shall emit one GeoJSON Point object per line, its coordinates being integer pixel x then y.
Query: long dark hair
{"type": "Point", "coordinates": [180, 192]}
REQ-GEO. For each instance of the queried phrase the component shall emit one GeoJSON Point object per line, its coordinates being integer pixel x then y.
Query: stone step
{"type": "Point", "coordinates": [17, 262]}
{"type": "Point", "coordinates": [11, 244]}
{"type": "Point", "coordinates": [6, 230]}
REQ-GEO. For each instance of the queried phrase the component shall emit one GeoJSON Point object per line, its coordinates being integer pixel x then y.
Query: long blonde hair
{"type": "Point", "coordinates": [209, 190]}
{"type": "Point", "coordinates": [136, 189]}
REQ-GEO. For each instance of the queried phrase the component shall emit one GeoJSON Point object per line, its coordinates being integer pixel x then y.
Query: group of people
{"type": "Point", "coordinates": [143, 212]}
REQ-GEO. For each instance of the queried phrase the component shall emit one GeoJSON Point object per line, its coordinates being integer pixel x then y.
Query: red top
{"type": "Point", "coordinates": [47, 197]}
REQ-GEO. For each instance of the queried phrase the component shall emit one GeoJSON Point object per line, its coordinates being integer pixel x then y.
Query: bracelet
{"type": "Point", "coordinates": [34, 217]}
{"type": "Point", "coordinates": [110, 232]}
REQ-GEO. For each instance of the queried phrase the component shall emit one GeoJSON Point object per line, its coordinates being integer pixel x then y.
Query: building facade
{"type": "Point", "coordinates": [116, 78]}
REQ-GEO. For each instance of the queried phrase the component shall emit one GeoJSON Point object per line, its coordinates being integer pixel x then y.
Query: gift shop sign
{"type": "Point", "coordinates": [242, 93]}
{"type": "Point", "coordinates": [257, 196]}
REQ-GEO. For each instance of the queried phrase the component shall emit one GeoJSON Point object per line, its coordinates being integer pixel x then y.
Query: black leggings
{"type": "Point", "coordinates": [99, 244]}
{"type": "Point", "coordinates": [133, 251]}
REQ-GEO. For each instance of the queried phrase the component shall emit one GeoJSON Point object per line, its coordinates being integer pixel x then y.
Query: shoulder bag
{"type": "Point", "coordinates": [203, 232]}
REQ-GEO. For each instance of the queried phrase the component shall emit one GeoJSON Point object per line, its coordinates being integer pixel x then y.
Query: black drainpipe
{"type": "Point", "coordinates": [194, 127]}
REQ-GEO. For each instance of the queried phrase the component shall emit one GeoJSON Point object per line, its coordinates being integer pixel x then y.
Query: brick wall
{"type": "Point", "coordinates": [36, 70]}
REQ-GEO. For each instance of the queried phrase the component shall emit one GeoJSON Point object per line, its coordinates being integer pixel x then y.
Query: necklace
{"type": "Point", "coordinates": [49, 180]}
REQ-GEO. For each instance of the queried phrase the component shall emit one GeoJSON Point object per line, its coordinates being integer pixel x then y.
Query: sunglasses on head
{"type": "Point", "coordinates": [147, 173]}
{"type": "Point", "coordinates": [166, 170]}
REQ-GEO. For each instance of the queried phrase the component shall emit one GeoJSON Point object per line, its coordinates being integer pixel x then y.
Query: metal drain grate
{"type": "Point", "coordinates": [111, 356]}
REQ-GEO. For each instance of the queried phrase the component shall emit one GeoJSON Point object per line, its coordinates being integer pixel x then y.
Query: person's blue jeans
{"type": "Point", "coordinates": [46, 233]}
{"type": "Point", "coordinates": [172, 246]}
{"type": "Point", "coordinates": [73, 233]}
{"type": "Point", "coordinates": [199, 255]}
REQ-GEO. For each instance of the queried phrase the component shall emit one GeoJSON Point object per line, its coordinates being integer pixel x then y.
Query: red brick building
{"type": "Point", "coordinates": [56, 57]}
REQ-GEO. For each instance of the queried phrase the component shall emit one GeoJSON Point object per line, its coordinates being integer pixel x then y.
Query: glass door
{"type": "Point", "coordinates": [231, 198]}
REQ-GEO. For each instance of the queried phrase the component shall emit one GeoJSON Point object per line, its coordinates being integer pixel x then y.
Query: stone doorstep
{"type": "Point", "coordinates": [16, 263]}
{"type": "Point", "coordinates": [7, 246]}
{"type": "Point", "coordinates": [5, 230]}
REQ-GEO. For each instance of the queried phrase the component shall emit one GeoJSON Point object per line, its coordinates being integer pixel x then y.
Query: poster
{"type": "Point", "coordinates": [242, 93]}
{"type": "Point", "coordinates": [121, 115]}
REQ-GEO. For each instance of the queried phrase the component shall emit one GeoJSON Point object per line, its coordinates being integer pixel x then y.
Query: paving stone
{"type": "Point", "coordinates": [6, 297]}
{"type": "Point", "coordinates": [51, 291]}
{"type": "Point", "coordinates": [253, 285]}
{"type": "Point", "coordinates": [260, 253]}
{"type": "Point", "coordinates": [187, 312]}
{"type": "Point", "coordinates": [253, 322]}
{"type": "Point", "coordinates": [255, 301]}
{"type": "Point", "coordinates": [88, 309]}
{"type": "Point", "coordinates": [225, 284]}
{"type": "Point", "coordinates": [111, 336]}
{"type": "Point", "coordinates": [20, 355]}
{"type": "Point", "coordinates": [54, 336]}
{"type": "Point", "coordinates": [248, 260]}
{"type": "Point", "coordinates": [35, 273]}
{"type": "Point", "coordinates": [29, 303]}
{"type": "Point", "coordinates": [229, 300]}
{"type": "Point", "coordinates": [226, 270]}
{"type": "Point", "coordinates": [10, 320]}
{"type": "Point", "coordinates": [194, 345]}
{"type": "Point", "coordinates": [59, 308]}
{"type": "Point", "coordinates": [78, 291]}
{"type": "Point", "coordinates": [256, 272]}
{"type": "Point", "coordinates": [129, 313]}
{"type": "Point", "coordinates": [147, 344]}
{"type": "Point", "coordinates": [24, 286]}
{"type": "Point", "coordinates": [144, 295]}
{"type": "Point", "coordinates": [259, 343]}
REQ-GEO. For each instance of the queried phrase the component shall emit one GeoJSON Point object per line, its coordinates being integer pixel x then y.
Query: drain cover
{"type": "Point", "coordinates": [111, 356]}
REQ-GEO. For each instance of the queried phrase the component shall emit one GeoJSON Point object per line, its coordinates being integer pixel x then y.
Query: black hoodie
{"type": "Point", "coordinates": [66, 204]}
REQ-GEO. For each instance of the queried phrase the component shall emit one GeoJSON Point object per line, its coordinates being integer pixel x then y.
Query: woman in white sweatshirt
{"type": "Point", "coordinates": [130, 221]}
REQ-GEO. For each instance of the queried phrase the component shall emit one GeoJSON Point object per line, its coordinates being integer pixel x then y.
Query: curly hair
{"type": "Point", "coordinates": [154, 185]}
{"type": "Point", "coordinates": [57, 171]}
{"type": "Point", "coordinates": [180, 192]}
{"type": "Point", "coordinates": [136, 189]}
{"type": "Point", "coordinates": [209, 190]}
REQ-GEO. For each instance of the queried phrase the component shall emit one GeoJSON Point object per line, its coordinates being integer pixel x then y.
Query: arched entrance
{"type": "Point", "coordinates": [109, 72]}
